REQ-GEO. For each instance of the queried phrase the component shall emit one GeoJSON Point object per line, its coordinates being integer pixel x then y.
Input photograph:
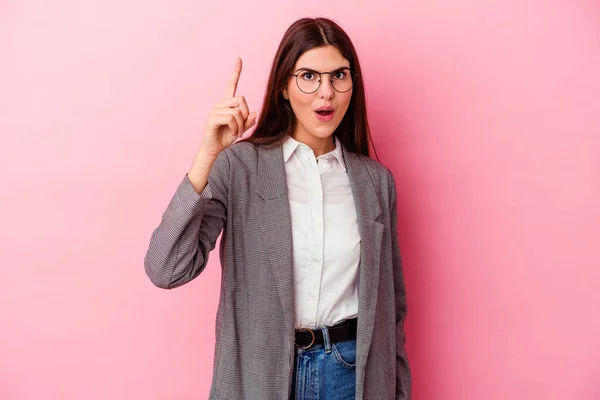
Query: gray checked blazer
{"type": "Point", "coordinates": [246, 199]}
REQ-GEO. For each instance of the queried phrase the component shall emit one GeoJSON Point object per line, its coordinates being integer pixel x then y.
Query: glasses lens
{"type": "Point", "coordinates": [308, 81]}
{"type": "Point", "coordinates": [342, 80]}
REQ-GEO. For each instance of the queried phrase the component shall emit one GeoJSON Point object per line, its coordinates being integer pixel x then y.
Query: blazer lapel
{"type": "Point", "coordinates": [276, 225]}
{"type": "Point", "coordinates": [371, 232]}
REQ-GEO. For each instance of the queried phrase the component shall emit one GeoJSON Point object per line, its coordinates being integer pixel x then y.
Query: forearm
{"type": "Point", "coordinates": [200, 169]}
{"type": "Point", "coordinates": [173, 252]}
{"type": "Point", "coordinates": [190, 225]}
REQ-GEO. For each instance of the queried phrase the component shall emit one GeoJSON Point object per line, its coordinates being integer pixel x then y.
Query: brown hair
{"type": "Point", "coordinates": [277, 118]}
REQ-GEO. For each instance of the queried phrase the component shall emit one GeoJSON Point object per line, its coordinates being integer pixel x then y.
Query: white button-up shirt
{"type": "Point", "coordinates": [326, 241]}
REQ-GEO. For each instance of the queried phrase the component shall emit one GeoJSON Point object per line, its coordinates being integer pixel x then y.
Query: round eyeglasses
{"type": "Point", "coordinates": [309, 80]}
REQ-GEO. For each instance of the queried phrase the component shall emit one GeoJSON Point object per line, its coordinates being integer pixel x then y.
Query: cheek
{"type": "Point", "coordinates": [302, 105]}
{"type": "Point", "coordinates": [345, 101]}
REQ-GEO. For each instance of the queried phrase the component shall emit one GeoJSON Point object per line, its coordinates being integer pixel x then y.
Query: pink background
{"type": "Point", "coordinates": [488, 114]}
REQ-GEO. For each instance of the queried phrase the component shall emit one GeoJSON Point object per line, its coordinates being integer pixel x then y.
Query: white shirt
{"type": "Point", "coordinates": [326, 240]}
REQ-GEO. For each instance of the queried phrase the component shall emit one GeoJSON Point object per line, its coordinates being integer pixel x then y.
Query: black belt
{"type": "Point", "coordinates": [307, 338]}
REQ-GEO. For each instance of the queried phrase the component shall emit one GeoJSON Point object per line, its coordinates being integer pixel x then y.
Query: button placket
{"type": "Point", "coordinates": [318, 228]}
{"type": "Point", "coordinates": [316, 238]}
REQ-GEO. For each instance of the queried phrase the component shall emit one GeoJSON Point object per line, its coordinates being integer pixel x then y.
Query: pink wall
{"type": "Point", "coordinates": [487, 113]}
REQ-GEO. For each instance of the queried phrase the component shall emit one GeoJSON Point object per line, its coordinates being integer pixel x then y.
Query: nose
{"type": "Point", "coordinates": [326, 90]}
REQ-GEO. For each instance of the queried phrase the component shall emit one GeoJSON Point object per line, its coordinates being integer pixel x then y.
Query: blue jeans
{"type": "Point", "coordinates": [326, 371]}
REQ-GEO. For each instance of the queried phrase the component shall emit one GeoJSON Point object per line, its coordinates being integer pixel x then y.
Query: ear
{"type": "Point", "coordinates": [285, 94]}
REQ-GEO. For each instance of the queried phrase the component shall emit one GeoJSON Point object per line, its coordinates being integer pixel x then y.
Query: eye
{"type": "Point", "coordinates": [307, 75]}
{"type": "Point", "coordinates": [341, 74]}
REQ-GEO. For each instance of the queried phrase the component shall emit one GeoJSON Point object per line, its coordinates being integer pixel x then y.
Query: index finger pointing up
{"type": "Point", "coordinates": [235, 77]}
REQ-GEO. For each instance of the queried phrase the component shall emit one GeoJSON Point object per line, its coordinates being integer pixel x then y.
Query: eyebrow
{"type": "Point", "coordinates": [314, 70]}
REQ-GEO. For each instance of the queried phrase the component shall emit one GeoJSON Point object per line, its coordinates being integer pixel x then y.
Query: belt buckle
{"type": "Point", "coordinates": [312, 334]}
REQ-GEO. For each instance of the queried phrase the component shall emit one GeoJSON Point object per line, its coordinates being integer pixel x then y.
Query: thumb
{"type": "Point", "coordinates": [250, 121]}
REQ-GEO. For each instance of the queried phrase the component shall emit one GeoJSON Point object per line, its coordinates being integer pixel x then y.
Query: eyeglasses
{"type": "Point", "coordinates": [309, 80]}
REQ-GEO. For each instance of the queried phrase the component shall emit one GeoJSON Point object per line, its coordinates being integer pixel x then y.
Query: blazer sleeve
{"type": "Point", "coordinates": [192, 222]}
{"type": "Point", "coordinates": [403, 375]}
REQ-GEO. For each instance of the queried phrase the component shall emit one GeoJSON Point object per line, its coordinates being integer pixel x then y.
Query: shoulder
{"type": "Point", "coordinates": [241, 154]}
{"type": "Point", "coordinates": [242, 151]}
{"type": "Point", "coordinates": [380, 174]}
{"type": "Point", "coordinates": [374, 166]}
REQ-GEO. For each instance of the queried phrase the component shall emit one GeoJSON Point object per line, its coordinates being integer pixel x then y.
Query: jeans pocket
{"type": "Point", "coordinates": [345, 353]}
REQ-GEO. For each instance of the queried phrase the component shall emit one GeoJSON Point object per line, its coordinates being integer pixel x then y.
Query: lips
{"type": "Point", "coordinates": [324, 113]}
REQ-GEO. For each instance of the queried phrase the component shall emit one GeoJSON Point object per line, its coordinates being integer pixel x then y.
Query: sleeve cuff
{"type": "Point", "coordinates": [190, 200]}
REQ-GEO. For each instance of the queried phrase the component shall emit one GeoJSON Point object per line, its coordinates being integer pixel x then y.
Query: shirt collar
{"type": "Point", "coordinates": [338, 154]}
{"type": "Point", "coordinates": [290, 145]}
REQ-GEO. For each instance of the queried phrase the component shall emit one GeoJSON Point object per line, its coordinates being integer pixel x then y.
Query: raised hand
{"type": "Point", "coordinates": [228, 119]}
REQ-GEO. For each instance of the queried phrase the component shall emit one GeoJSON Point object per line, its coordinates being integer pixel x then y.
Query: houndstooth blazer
{"type": "Point", "coordinates": [246, 199]}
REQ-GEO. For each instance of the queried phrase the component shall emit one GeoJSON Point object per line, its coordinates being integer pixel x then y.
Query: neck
{"type": "Point", "coordinates": [319, 146]}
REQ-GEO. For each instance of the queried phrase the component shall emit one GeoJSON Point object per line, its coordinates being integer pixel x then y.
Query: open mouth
{"type": "Point", "coordinates": [324, 114]}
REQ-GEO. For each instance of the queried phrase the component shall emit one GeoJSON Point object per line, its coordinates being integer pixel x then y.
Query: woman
{"type": "Point", "coordinates": [312, 301]}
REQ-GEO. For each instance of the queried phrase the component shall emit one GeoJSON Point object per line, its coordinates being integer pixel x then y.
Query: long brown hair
{"type": "Point", "coordinates": [277, 119]}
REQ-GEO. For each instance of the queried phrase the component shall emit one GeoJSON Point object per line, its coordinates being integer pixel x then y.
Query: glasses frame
{"type": "Point", "coordinates": [352, 74]}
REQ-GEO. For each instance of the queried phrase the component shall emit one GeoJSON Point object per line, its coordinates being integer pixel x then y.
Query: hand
{"type": "Point", "coordinates": [228, 119]}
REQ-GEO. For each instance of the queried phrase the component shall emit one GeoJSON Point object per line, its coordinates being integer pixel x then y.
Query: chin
{"type": "Point", "coordinates": [323, 132]}
{"type": "Point", "coordinates": [323, 135]}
